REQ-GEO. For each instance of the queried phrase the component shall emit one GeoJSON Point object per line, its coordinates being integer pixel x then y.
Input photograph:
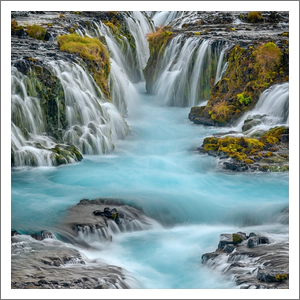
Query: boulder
{"type": "Point", "coordinates": [229, 248]}
{"type": "Point", "coordinates": [272, 275]}
{"type": "Point", "coordinates": [205, 257]}
{"type": "Point", "coordinates": [252, 242]}
{"type": "Point", "coordinates": [263, 240]}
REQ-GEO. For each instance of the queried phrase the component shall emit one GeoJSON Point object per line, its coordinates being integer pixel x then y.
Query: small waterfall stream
{"type": "Point", "coordinates": [272, 109]}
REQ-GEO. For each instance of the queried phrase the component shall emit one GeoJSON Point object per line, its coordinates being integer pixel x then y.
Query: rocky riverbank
{"type": "Point", "coordinates": [270, 152]}
{"type": "Point", "coordinates": [41, 261]}
{"type": "Point", "coordinates": [254, 261]}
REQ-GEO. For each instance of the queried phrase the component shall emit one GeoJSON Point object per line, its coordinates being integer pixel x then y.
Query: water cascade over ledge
{"type": "Point", "coordinates": [116, 194]}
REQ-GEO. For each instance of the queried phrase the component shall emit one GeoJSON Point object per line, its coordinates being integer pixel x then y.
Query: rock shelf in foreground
{"type": "Point", "coordinates": [254, 261]}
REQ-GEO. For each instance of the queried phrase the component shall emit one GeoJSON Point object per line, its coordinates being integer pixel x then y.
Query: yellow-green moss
{"type": "Point", "coordinates": [281, 277]}
{"type": "Point", "coordinates": [273, 135]}
{"type": "Point", "coordinates": [236, 238]}
{"type": "Point", "coordinates": [254, 17]}
{"type": "Point", "coordinates": [15, 26]}
{"type": "Point", "coordinates": [250, 71]}
{"type": "Point", "coordinates": [210, 147]}
{"type": "Point", "coordinates": [243, 99]}
{"type": "Point", "coordinates": [248, 161]}
{"type": "Point", "coordinates": [91, 50]}
{"type": "Point", "coordinates": [36, 31]}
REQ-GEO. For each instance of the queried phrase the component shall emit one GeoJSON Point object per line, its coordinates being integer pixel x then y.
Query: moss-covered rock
{"type": "Point", "coordinates": [267, 153]}
{"type": "Point", "coordinates": [46, 86]}
{"type": "Point", "coordinates": [36, 31]}
{"type": "Point", "coordinates": [64, 154]}
{"type": "Point", "coordinates": [157, 44]}
{"type": "Point", "coordinates": [250, 71]}
{"type": "Point", "coordinates": [93, 52]}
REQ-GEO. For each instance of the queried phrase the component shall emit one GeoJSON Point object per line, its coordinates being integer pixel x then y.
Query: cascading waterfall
{"type": "Point", "coordinates": [185, 70]}
{"type": "Point", "coordinates": [272, 109]}
{"type": "Point", "coordinates": [139, 27]}
{"type": "Point", "coordinates": [165, 17]}
{"type": "Point", "coordinates": [126, 65]}
{"type": "Point", "coordinates": [94, 125]}
{"type": "Point", "coordinates": [221, 65]}
{"type": "Point", "coordinates": [179, 91]}
{"type": "Point", "coordinates": [27, 126]}
{"type": "Point", "coordinates": [155, 169]}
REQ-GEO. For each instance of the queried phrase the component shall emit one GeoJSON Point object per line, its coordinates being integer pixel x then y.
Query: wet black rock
{"type": "Point", "coordinates": [272, 275]}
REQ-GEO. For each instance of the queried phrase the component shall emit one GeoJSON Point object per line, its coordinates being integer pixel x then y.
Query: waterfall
{"type": "Point", "coordinates": [183, 75]}
{"type": "Point", "coordinates": [221, 65]}
{"type": "Point", "coordinates": [272, 109]}
{"type": "Point", "coordinates": [27, 126]}
{"type": "Point", "coordinates": [127, 62]}
{"type": "Point", "coordinates": [94, 125]}
{"type": "Point", "coordinates": [165, 17]}
{"type": "Point", "coordinates": [139, 27]}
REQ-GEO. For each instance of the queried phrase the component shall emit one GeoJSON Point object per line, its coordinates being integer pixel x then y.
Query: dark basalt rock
{"type": "Point", "coordinates": [205, 257]}
{"type": "Point", "coordinates": [14, 232]}
{"type": "Point", "coordinates": [110, 214]}
{"type": "Point", "coordinates": [272, 275]}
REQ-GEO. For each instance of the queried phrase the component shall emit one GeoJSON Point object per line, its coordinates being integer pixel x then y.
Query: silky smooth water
{"type": "Point", "coordinates": [157, 168]}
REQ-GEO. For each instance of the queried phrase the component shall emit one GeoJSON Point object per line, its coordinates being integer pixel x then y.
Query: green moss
{"type": "Point", "coordinates": [285, 34]}
{"type": "Point", "coordinates": [250, 71]}
{"type": "Point", "coordinates": [93, 52]}
{"type": "Point", "coordinates": [15, 26]}
{"type": "Point", "coordinates": [157, 44]}
{"type": "Point", "coordinates": [210, 147]}
{"type": "Point", "coordinates": [36, 31]}
{"type": "Point", "coordinates": [273, 135]}
{"type": "Point", "coordinates": [42, 84]}
{"type": "Point", "coordinates": [244, 100]}
{"type": "Point", "coordinates": [236, 238]}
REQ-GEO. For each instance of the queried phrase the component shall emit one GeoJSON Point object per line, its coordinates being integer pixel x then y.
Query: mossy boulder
{"type": "Point", "coordinates": [64, 154]}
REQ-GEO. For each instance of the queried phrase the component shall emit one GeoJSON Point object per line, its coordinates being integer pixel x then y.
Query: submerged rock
{"type": "Point", "coordinates": [99, 219]}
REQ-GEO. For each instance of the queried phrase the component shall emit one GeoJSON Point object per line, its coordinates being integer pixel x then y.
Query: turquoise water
{"type": "Point", "coordinates": [156, 168]}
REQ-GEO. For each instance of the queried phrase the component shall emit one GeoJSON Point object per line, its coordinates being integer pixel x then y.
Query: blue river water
{"type": "Point", "coordinates": [157, 168]}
